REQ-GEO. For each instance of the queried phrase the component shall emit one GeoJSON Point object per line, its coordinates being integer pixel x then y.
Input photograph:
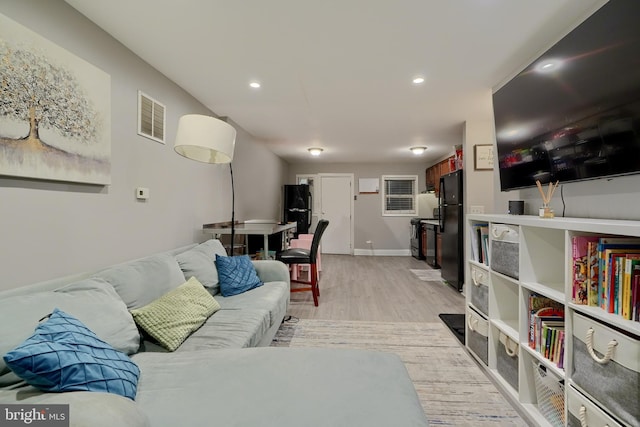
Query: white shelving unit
{"type": "Point", "coordinates": [544, 267]}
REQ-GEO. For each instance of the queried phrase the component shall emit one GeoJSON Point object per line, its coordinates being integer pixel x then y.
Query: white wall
{"type": "Point", "coordinates": [52, 229]}
{"type": "Point", "coordinates": [478, 184]}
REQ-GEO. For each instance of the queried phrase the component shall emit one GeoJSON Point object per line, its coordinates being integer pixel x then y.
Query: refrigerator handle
{"type": "Point", "coordinates": [310, 219]}
{"type": "Point", "coordinates": [442, 204]}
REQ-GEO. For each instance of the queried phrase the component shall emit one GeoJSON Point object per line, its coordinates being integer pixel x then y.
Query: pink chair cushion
{"type": "Point", "coordinates": [303, 241]}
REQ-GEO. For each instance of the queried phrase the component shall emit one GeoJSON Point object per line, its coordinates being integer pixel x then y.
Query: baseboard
{"type": "Point", "coordinates": [382, 252]}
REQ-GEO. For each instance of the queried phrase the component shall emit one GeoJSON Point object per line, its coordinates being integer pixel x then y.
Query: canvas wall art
{"type": "Point", "coordinates": [55, 111]}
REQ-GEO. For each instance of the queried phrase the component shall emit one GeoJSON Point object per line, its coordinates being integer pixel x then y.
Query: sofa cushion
{"type": "Point", "coordinates": [173, 317]}
{"type": "Point", "coordinates": [142, 281]}
{"type": "Point", "coordinates": [229, 329]}
{"type": "Point", "coordinates": [199, 262]}
{"type": "Point", "coordinates": [93, 301]}
{"type": "Point", "coordinates": [64, 355]}
{"type": "Point", "coordinates": [284, 387]}
{"type": "Point", "coordinates": [237, 274]}
{"type": "Point", "coordinates": [272, 296]}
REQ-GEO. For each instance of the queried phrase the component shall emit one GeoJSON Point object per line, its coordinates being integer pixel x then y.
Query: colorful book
{"type": "Point", "coordinates": [536, 303]}
{"type": "Point", "coordinates": [484, 237]}
{"type": "Point", "coordinates": [631, 269]}
{"type": "Point", "coordinates": [550, 316]}
{"type": "Point", "coordinates": [580, 267]}
{"type": "Point", "coordinates": [606, 243]}
{"type": "Point", "coordinates": [611, 282]}
{"type": "Point", "coordinates": [635, 295]}
{"type": "Point", "coordinates": [593, 273]}
{"type": "Point", "coordinates": [476, 246]}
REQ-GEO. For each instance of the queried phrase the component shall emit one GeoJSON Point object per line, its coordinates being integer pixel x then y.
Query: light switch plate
{"type": "Point", "coordinates": [142, 193]}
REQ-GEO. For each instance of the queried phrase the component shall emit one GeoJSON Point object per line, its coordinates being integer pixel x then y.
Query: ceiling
{"type": "Point", "coordinates": [337, 74]}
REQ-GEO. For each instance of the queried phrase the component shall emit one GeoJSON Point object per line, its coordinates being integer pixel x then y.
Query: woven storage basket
{"type": "Point", "coordinates": [550, 395]}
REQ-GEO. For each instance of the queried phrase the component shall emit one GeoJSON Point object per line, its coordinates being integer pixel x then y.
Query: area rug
{"type": "Point", "coordinates": [455, 323]}
{"type": "Point", "coordinates": [452, 388]}
{"type": "Point", "coordinates": [427, 275]}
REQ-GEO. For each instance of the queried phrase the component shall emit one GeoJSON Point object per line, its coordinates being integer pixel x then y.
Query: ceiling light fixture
{"type": "Point", "coordinates": [418, 80]}
{"type": "Point", "coordinates": [255, 85]}
{"type": "Point", "coordinates": [417, 150]}
{"type": "Point", "coordinates": [548, 65]}
{"type": "Point", "coordinates": [315, 151]}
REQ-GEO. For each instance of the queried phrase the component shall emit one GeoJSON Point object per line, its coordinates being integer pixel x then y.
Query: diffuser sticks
{"type": "Point", "coordinates": [545, 210]}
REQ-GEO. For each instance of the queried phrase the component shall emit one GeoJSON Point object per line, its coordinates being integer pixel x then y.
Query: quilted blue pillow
{"type": "Point", "coordinates": [64, 355]}
{"type": "Point", "coordinates": [236, 274]}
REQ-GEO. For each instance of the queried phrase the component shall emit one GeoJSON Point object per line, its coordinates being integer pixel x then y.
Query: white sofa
{"type": "Point", "coordinates": [218, 376]}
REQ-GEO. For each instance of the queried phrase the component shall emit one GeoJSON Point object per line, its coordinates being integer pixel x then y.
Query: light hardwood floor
{"type": "Point", "coordinates": [376, 288]}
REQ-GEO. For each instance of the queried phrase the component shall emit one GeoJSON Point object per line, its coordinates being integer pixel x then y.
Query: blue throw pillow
{"type": "Point", "coordinates": [64, 355]}
{"type": "Point", "coordinates": [236, 274]}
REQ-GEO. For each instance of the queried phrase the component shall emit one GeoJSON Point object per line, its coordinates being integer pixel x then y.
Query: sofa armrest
{"type": "Point", "coordinates": [272, 271]}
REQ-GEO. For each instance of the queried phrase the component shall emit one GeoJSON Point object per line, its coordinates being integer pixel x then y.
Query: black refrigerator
{"type": "Point", "coordinates": [451, 229]}
{"type": "Point", "coordinates": [297, 207]}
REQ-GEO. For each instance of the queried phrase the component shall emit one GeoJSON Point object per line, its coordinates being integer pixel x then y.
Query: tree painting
{"type": "Point", "coordinates": [49, 126]}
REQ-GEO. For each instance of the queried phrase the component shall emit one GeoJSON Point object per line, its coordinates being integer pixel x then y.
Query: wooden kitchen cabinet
{"type": "Point", "coordinates": [434, 173]}
{"type": "Point", "coordinates": [430, 177]}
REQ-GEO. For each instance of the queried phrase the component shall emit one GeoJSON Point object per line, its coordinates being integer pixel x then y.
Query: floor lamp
{"type": "Point", "coordinates": [208, 140]}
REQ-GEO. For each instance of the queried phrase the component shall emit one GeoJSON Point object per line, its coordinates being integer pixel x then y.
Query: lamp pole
{"type": "Point", "coordinates": [233, 210]}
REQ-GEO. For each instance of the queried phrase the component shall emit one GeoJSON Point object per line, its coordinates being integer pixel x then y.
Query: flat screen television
{"type": "Point", "coordinates": [574, 113]}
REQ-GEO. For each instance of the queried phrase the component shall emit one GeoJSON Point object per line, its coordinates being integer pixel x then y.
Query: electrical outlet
{"type": "Point", "coordinates": [476, 210]}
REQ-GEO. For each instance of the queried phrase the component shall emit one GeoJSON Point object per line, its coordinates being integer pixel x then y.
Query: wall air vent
{"type": "Point", "coordinates": [151, 118]}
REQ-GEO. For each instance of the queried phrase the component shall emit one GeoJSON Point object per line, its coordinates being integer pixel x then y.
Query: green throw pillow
{"type": "Point", "coordinates": [177, 314]}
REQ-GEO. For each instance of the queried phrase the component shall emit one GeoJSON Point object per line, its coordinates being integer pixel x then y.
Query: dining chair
{"type": "Point", "coordinates": [306, 256]}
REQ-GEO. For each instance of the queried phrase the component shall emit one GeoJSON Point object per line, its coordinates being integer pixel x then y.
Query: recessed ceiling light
{"type": "Point", "coordinates": [315, 151]}
{"type": "Point", "coordinates": [255, 85]}
{"type": "Point", "coordinates": [548, 65]}
{"type": "Point", "coordinates": [417, 150]}
{"type": "Point", "coordinates": [418, 80]}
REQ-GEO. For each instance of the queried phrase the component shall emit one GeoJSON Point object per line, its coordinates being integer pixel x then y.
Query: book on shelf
{"type": "Point", "coordinates": [484, 237]}
{"type": "Point", "coordinates": [559, 360]}
{"type": "Point", "coordinates": [631, 264]}
{"type": "Point", "coordinates": [545, 325]}
{"type": "Point", "coordinates": [635, 296]}
{"type": "Point", "coordinates": [476, 244]}
{"type": "Point", "coordinates": [606, 247]}
{"type": "Point", "coordinates": [580, 267]}
{"type": "Point", "coordinates": [541, 309]}
{"type": "Point", "coordinates": [611, 268]}
{"type": "Point", "coordinates": [593, 273]}
{"type": "Point", "coordinates": [549, 342]}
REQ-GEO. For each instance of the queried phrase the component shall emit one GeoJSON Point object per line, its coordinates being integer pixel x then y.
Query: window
{"type": "Point", "coordinates": [399, 195]}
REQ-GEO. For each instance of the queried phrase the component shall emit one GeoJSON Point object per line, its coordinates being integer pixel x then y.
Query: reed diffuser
{"type": "Point", "coordinates": [545, 210]}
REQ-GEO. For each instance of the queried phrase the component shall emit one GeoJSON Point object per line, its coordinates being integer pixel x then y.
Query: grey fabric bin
{"type": "Point", "coordinates": [577, 403]}
{"type": "Point", "coordinates": [507, 360]}
{"type": "Point", "coordinates": [477, 335]}
{"type": "Point", "coordinates": [505, 249]}
{"type": "Point", "coordinates": [504, 258]}
{"type": "Point", "coordinates": [480, 290]}
{"type": "Point", "coordinates": [615, 384]}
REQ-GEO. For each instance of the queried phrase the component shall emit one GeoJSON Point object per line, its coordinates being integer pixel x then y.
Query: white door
{"type": "Point", "coordinates": [336, 201]}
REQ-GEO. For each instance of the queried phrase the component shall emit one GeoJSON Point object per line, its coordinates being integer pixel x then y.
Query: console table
{"type": "Point", "coordinates": [264, 229]}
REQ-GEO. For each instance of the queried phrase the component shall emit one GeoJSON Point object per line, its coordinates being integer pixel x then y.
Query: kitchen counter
{"type": "Point", "coordinates": [430, 222]}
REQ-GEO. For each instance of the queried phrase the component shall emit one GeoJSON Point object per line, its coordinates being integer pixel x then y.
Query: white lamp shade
{"type": "Point", "coordinates": [205, 139]}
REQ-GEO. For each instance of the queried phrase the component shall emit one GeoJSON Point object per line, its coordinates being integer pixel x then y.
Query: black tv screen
{"type": "Point", "coordinates": [574, 113]}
